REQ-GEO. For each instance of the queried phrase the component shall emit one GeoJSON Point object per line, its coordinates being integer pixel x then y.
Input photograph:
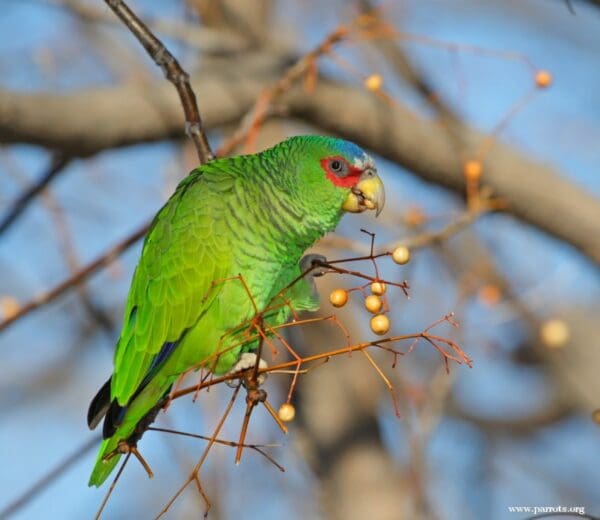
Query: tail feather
{"type": "Point", "coordinates": [113, 418]}
{"type": "Point", "coordinates": [99, 405]}
{"type": "Point", "coordinates": [102, 406]}
{"type": "Point", "coordinates": [127, 424]}
{"type": "Point", "coordinates": [102, 469]}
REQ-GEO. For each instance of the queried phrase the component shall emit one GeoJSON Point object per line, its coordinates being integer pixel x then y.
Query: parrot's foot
{"type": "Point", "coordinates": [314, 263]}
{"type": "Point", "coordinates": [126, 448]}
{"type": "Point", "coordinates": [246, 361]}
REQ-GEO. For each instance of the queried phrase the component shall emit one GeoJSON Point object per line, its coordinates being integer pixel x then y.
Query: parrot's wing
{"type": "Point", "coordinates": [173, 283]}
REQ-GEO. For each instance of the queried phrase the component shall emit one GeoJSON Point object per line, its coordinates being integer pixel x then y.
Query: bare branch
{"type": "Point", "coordinates": [173, 72]}
{"type": "Point", "coordinates": [57, 164]}
{"type": "Point", "coordinates": [127, 114]}
{"type": "Point", "coordinates": [77, 278]}
{"type": "Point", "coordinates": [403, 66]}
{"type": "Point", "coordinates": [260, 110]}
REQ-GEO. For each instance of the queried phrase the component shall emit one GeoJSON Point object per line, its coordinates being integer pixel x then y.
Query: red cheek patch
{"type": "Point", "coordinates": [342, 182]}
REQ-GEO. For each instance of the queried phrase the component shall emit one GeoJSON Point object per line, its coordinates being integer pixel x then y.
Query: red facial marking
{"type": "Point", "coordinates": [347, 181]}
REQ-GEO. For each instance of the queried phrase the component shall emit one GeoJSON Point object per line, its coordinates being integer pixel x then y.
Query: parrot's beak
{"type": "Point", "coordinates": [368, 193]}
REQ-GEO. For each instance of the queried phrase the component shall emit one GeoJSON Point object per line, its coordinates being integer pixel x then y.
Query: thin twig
{"type": "Point", "coordinates": [66, 245]}
{"type": "Point", "coordinates": [71, 259]}
{"type": "Point", "coordinates": [102, 261]}
{"type": "Point", "coordinates": [570, 7]}
{"type": "Point", "coordinates": [419, 241]}
{"type": "Point", "coordinates": [256, 116]}
{"type": "Point", "coordinates": [113, 484]}
{"type": "Point", "coordinates": [395, 55]}
{"type": "Point", "coordinates": [428, 238]}
{"type": "Point", "coordinates": [173, 72]}
{"type": "Point", "coordinates": [460, 359]}
{"type": "Point", "coordinates": [198, 466]}
{"type": "Point", "coordinates": [57, 165]}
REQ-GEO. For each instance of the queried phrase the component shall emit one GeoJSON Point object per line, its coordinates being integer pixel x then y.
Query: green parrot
{"type": "Point", "coordinates": [249, 217]}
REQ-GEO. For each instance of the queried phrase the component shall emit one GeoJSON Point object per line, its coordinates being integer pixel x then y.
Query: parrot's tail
{"type": "Point", "coordinates": [103, 468]}
{"type": "Point", "coordinates": [126, 424]}
{"type": "Point", "coordinates": [100, 408]}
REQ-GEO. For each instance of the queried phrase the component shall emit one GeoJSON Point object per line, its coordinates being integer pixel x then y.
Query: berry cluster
{"type": "Point", "coordinates": [375, 302]}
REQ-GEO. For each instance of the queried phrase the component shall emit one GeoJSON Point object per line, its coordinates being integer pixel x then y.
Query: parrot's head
{"type": "Point", "coordinates": [337, 175]}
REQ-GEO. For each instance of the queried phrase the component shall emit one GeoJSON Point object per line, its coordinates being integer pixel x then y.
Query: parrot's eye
{"type": "Point", "coordinates": [338, 166]}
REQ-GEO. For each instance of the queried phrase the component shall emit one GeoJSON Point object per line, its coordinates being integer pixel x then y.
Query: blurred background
{"type": "Point", "coordinates": [452, 100]}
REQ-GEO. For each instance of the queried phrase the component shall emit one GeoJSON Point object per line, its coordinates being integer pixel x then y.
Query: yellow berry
{"type": "Point", "coordinates": [380, 324]}
{"type": "Point", "coordinates": [286, 412]}
{"type": "Point", "coordinates": [374, 82]}
{"type": "Point", "coordinates": [373, 303]}
{"type": "Point", "coordinates": [472, 170]}
{"type": "Point", "coordinates": [401, 255]}
{"type": "Point", "coordinates": [338, 298]}
{"type": "Point", "coordinates": [554, 333]}
{"type": "Point", "coordinates": [543, 79]}
{"type": "Point", "coordinates": [414, 217]}
{"type": "Point", "coordinates": [378, 288]}
{"type": "Point", "coordinates": [490, 294]}
{"type": "Point", "coordinates": [9, 307]}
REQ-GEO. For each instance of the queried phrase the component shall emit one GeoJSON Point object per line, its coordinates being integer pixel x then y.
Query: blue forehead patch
{"type": "Point", "coordinates": [349, 150]}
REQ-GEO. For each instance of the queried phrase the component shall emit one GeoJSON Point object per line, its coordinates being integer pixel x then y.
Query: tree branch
{"type": "Point", "coordinates": [127, 114]}
{"type": "Point", "coordinates": [77, 278]}
{"type": "Point", "coordinates": [173, 72]}
{"type": "Point", "coordinates": [57, 164]}
{"type": "Point", "coordinates": [534, 192]}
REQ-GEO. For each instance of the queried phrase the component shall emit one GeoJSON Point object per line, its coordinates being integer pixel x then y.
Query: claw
{"type": "Point", "coordinates": [313, 260]}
